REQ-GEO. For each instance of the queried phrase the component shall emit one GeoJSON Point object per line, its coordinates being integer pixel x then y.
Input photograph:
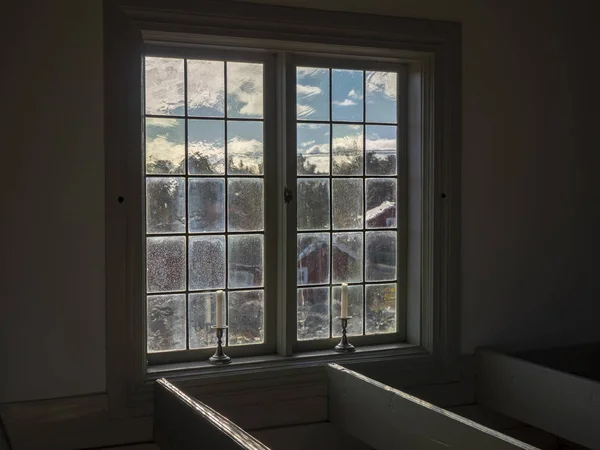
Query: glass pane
{"type": "Point", "coordinates": [245, 204]}
{"type": "Point", "coordinates": [206, 91]}
{"type": "Point", "coordinates": [347, 258]}
{"type": "Point", "coordinates": [244, 148]}
{"type": "Point", "coordinates": [381, 97]}
{"type": "Point", "coordinates": [206, 207]}
{"type": "Point", "coordinates": [164, 86]}
{"type": "Point", "coordinates": [166, 323]}
{"type": "Point", "coordinates": [246, 317]}
{"type": "Point", "coordinates": [244, 90]}
{"type": "Point", "coordinates": [347, 150]}
{"type": "Point", "coordinates": [381, 150]}
{"type": "Point", "coordinates": [347, 203]}
{"type": "Point", "coordinates": [312, 149]}
{"type": "Point", "coordinates": [202, 315]}
{"type": "Point", "coordinates": [312, 93]}
{"type": "Point", "coordinates": [165, 205]}
{"type": "Point", "coordinates": [207, 262]}
{"type": "Point", "coordinates": [347, 95]}
{"type": "Point", "coordinates": [381, 309]}
{"type": "Point", "coordinates": [355, 309]}
{"type": "Point", "coordinates": [381, 255]}
{"type": "Point", "coordinates": [165, 263]}
{"type": "Point", "coordinates": [206, 147]}
{"type": "Point", "coordinates": [313, 313]}
{"type": "Point", "coordinates": [313, 204]}
{"type": "Point", "coordinates": [245, 261]}
{"type": "Point", "coordinates": [381, 203]}
{"type": "Point", "coordinates": [165, 146]}
{"type": "Point", "coordinates": [313, 258]}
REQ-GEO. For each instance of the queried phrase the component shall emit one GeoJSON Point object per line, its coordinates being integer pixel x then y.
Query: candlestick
{"type": "Point", "coordinates": [219, 309]}
{"type": "Point", "coordinates": [344, 346]}
{"type": "Point", "coordinates": [219, 358]}
{"type": "Point", "coordinates": [344, 312]}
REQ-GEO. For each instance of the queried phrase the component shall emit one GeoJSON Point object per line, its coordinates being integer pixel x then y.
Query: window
{"type": "Point", "coordinates": [168, 216]}
{"type": "Point", "coordinates": [206, 125]}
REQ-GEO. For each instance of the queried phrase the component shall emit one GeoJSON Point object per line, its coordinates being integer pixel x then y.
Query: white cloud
{"type": "Point", "coordinates": [307, 144]}
{"type": "Point", "coordinates": [162, 122]}
{"type": "Point", "coordinates": [346, 102]}
{"type": "Point", "coordinates": [245, 83]}
{"type": "Point", "coordinates": [161, 149]}
{"type": "Point", "coordinates": [302, 72]}
{"type": "Point", "coordinates": [307, 91]}
{"type": "Point", "coordinates": [319, 149]}
{"type": "Point", "coordinates": [304, 111]}
{"type": "Point", "coordinates": [383, 82]}
{"type": "Point", "coordinates": [164, 85]}
{"type": "Point", "coordinates": [354, 94]}
{"type": "Point", "coordinates": [381, 144]}
{"type": "Point", "coordinates": [205, 84]}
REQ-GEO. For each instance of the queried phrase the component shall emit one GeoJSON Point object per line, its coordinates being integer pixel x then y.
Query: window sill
{"type": "Point", "coordinates": [365, 354]}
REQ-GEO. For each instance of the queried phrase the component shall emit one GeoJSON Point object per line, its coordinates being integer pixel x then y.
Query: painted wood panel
{"type": "Point", "coordinates": [386, 418]}
{"type": "Point", "coordinates": [183, 423]}
{"type": "Point", "coordinates": [561, 403]}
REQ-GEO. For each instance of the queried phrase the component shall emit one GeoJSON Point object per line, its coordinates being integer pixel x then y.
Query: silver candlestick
{"type": "Point", "coordinates": [344, 346]}
{"type": "Point", "coordinates": [219, 358]}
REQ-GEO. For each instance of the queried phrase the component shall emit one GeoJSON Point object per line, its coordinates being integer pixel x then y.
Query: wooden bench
{"type": "Point", "coordinates": [554, 390]}
{"type": "Point", "coordinates": [363, 414]}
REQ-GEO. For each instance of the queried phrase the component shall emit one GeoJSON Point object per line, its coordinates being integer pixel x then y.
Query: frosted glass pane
{"type": "Point", "coordinates": [244, 148]}
{"type": "Point", "coordinates": [347, 203]}
{"type": "Point", "coordinates": [245, 205]}
{"type": "Point", "coordinates": [313, 313]}
{"type": "Point", "coordinates": [165, 146]}
{"type": "Point", "coordinates": [165, 263]}
{"type": "Point", "coordinates": [380, 252]}
{"type": "Point", "coordinates": [381, 309]}
{"type": "Point", "coordinates": [202, 314]}
{"type": "Point", "coordinates": [206, 147]}
{"type": "Point", "coordinates": [347, 95]}
{"type": "Point", "coordinates": [207, 262]}
{"type": "Point", "coordinates": [244, 90]}
{"type": "Point", "coordinates": [381, 150]}
{"type": "Point", "coordinates": [165, 205]}
{"type": "Point", "coordinates": [245, 261]}
{"type": "Point", "coordinates": [347, 258]}
{"type": "Point", "coordinates": [381, 203]}
{"type": "Point", "coordinates": [206, 207]}
{"type": "Point", "coordinates": [347, 150]}
{"type": "Point", "coordinates": [312, 93]}
{"type": "Point", "coordinates": [312, 149]}
{"type": "Point", "coordinates": [355, 309]}
{"type": "Point", "coordinates": [313, 204]}
{"type": "Point", "coordinates": [382, 92]}
{"type": "Point", "coordinates": [166, 323]}
{"type": "Point", "coordinates": [206, 88]}
{"type": "Point", "coordinates": [164, 86]}
{"type": "Point", "coordinates": [312, 258]}
{"type": "Point", "coordinates": [246, 317]}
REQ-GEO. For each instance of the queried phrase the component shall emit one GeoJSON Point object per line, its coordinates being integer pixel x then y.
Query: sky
{"type": "Point", "coordinates": [165, 95]}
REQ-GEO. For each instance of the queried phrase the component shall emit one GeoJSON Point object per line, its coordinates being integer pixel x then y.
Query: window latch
{"type": "Point", "coordinates": [287, 195]}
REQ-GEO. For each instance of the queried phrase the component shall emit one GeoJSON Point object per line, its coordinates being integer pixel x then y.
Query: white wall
{"type": "Point", "coordinates": [530, 195]}
{"type": "Point", "coordinates": [52, 313]}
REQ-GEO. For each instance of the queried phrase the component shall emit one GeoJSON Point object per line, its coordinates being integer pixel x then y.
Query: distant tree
{"type": "Point", "coordinates": [381, 166]}
{"type": "Point", "coordinates": [347, 158]}
{"type": "Point", "coordinates": [200, 164]}
{"type": "Point", "coordinates": [304, 167]}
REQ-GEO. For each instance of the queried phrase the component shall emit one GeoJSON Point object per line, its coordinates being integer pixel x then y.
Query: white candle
{"type": "Point", "coordinates": [208, 309]}
{"type": "Point", "coordinates": [219, 309]}
{"type": "Point", "coordinates": [344, 314]}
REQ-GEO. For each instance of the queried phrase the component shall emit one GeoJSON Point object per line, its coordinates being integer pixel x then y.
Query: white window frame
{"type": "Point", "coordinates": [431, 51]}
